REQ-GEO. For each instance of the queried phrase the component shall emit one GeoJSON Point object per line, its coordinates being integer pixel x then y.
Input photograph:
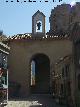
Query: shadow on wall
{"type": "Point", "coordinates": [14, 89]}
{"type": "Point", "coordinates": [37, 106]}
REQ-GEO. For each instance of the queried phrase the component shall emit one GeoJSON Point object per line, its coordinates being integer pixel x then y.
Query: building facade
{"type": "Point", "coordinates": [4, 52]}
{"type": "Point", "coordinates": [64, 80]}
{"type": "Point", "coordinates": [42, 62]}
{"type": "Point", "coordinates": [26, 50]}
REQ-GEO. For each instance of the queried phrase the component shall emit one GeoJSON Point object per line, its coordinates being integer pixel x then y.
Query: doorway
{"type": "Point", "coordinates": [40, 74]}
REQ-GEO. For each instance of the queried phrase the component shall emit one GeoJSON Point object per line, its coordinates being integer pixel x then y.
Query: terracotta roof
{"type": "Point", "coordinates": [30, 37]}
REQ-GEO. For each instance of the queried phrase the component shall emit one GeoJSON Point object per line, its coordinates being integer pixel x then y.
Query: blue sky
{"type": "Point", "coordinates": [16, 17]}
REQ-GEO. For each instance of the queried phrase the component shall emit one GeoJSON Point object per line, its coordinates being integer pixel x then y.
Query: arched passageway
{"type": "Point", "coordinates": [40, 74]}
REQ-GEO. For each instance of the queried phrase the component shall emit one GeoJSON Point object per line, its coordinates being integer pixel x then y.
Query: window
{"type": "Point", "coordinates": [62, 72]}
{"type": "Point", "coordinates": [0, 59]}
{"type": "Point", "coordinates": [67, 70]}
{"type": "Point", "coordinates": [4, 61]}
{"type": "Point", "coordinates": [62, 89]}
{"type": "Point", "coordinates": [69, 88]}
{"type": "Point", "coordinates": [79, 81]}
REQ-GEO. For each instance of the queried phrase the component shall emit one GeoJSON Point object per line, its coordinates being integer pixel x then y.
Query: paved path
{"type": "Point", "coordinates": [35, 101]}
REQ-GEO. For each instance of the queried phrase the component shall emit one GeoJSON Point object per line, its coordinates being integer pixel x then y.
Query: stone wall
{"type": "Point", "coordinates": [62, 17]}
{"type": "Point", "coordinates": [22, 51]}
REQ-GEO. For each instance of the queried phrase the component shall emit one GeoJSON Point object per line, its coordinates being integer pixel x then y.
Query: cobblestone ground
{"type": "Point", "coordinates": [34, 101]}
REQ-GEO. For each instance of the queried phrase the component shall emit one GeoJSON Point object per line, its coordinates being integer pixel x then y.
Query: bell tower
{"type": "Point", "coordinates": [38, 24]}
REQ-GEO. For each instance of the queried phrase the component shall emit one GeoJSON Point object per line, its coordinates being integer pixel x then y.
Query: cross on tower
{"type": "Point", "coordinates": [38, 25]}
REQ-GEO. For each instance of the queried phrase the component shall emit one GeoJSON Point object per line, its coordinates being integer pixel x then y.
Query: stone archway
{"type": "Point", "coordinates": [40, 73]}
